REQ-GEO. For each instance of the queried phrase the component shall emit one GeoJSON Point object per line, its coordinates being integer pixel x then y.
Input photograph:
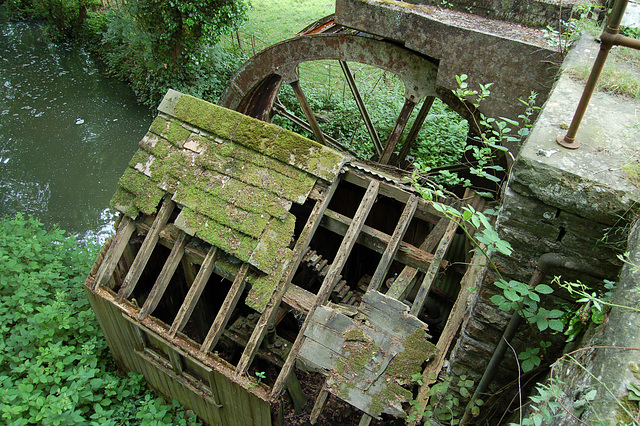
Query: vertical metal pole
{"type": "Point", "coordinates": [613, 28]}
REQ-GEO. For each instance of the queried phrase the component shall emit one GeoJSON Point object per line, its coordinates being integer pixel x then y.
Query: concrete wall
{"type": "Point", "coordinates": [577, 203]}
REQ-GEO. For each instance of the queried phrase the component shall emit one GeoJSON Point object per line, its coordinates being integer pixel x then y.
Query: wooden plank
{"type": "Point", "coordinates": [400, 193]}
{"type": "Point", "coordinates": [456, 317]}
{"type": "Point", "coordinates": [330, 279]}
{"type": "Point", "coordinates": [318, 406]}
{"type": "Point", "coordinates": [112, 257]}
{"type": "Point", "coordinates": [301, 246]}
{"type": "Point", "coordinates": [365, 420]}
{"type": "Point", "coordinates": [189, 270]}
{"type": "Point", "coordinates": [394, 244]}
{"type": "Point", "coordinates": [229, 304]}
{"type": "Point", "coordinates": [378, 241]}
{"type": "Point", "coordinates": [389, 315]}
{"type": "Point", "coordinates": [298, 298]}
{"type": "Point", "coordinates": [429, 277]}
{"type": "Point", "coordinates": [150, 241]}
{"type": "Point", "coordinates": [405, 280]}
{"type": "Point", "coordinates": [164, 278]}
{"type": "Point", "coordinates": [192, 297]}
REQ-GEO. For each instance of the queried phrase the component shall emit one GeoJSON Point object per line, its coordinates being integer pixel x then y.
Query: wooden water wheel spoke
{"type": "Point", "coordinates": [415, 128]}
{"type": "Point", "coordinates": [311, 118]}
{"type": "Point", "coordinates": [398, 128]}
{"type": "Point", "coordinates": [373, 133]}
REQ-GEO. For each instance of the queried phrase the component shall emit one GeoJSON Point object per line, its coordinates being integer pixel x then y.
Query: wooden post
{"type": "Point", "coordinates": [112, 257]}
{"type": "Point", "coordinates": [164, 278]}
{"type": "Point", "coordinates": [226, 310]}
{"type": "Point", "coordinates": [192, 297]}
{"type": "Point", "coordinates": [150, 241]}
{"type": "Point", "coordinates": [321, 401]}
{"type": "Point", "coordinates": [394, 244]}
{"type": "Point", "coordinates": [404, 281]}
{"type": "Point", "coordinates": [330, 279]}
{"type": "Point", "coordinates": [429, 277]}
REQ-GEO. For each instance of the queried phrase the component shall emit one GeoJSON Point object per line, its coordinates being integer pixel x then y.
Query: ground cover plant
{"type": "Point", "coordinates": [54, 362]}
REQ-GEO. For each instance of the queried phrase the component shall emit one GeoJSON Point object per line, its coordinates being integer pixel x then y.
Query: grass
{"type": "Point", "coordinates": [271, 21]}
{"type": "Point", "coordinates": [620, 75]}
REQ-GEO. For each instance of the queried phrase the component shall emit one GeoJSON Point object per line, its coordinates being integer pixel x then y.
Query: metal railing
{"type": "Point", "coordinates": [609, 38]}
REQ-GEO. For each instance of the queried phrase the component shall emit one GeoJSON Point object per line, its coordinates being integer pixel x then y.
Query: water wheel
{"type": "Point", "coordinates": [256, 87]}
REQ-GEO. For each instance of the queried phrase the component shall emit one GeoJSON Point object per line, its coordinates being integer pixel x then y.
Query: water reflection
{"type": "Point", "coordinates": [67, 131]}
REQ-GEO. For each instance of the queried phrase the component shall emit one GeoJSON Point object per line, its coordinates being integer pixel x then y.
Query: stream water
{"type": "Point", "coordinates": [67, 132]}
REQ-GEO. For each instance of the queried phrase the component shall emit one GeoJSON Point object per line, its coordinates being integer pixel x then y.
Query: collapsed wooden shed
{"type": "Point", "coordinates": [245, 252]}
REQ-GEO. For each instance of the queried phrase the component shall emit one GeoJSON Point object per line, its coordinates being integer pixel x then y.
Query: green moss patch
{"type": "Point", "coordinates": [417, 350]}
{"type": "Point", "coordinates": [294, 185]}
{"type": "Point", "coordinates": [147, 194]}
{"type": "Point", "coordinates": [124, 201]}
{"type": "Point", "coordinates": [263, 287]}
{"type": "Point", "coordinates": [207, 116]}
{"type": "Point", "coordinates": [252, 224]}
{"type": "Point", "coordinates": [274, 244]}
{"type": "Point", "coordinates": [216, 234]}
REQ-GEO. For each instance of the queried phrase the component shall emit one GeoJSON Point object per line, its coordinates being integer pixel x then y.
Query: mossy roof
{"type": "Point", "coordinates": [234, 178]}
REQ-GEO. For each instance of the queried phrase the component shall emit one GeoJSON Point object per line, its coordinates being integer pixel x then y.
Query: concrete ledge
{"type": "Point", "coordinates": [589, 181]}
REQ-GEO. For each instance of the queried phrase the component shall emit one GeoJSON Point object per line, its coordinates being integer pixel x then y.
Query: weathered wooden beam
{"type": "Point", "coordinates": [298, 298]}
{"type": "Point", "coordinates": [454, 321]}
{"type": "Point", "coordinates": [365, 420]}
{"type": "Point", "coordinates": [330, 279]}
{"type": "Point", "coordinates": [404, 282]}
{"type": "Point", "coordinates": [429, 277]}
{"type": "Point", "coordinates": [267, 317]}
{"type": "Point", "coordinates": [117, 247]}
{"type": "Point", "coordinates": [150, 241]}
{"type": "Point", "coordinates": [195, 291]}
{"type": "Point", "coordinates": [164, 278]}
{"type": "Point", "coordinates": [394, 243]}
{"type": "Point", "coordinates": [318, 406]}
{"type": "Point", "coordinates": [425, 210]}
{"type": "Point", "coordinates": [378, 241]}
{"type": "Point", "coordinates": [229, 304]}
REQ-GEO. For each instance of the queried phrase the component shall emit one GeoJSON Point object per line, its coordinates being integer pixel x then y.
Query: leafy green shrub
{"type": "Point", "coordinates": [54, 363]}
{"type": "Point", "coordinates": [129, 54]}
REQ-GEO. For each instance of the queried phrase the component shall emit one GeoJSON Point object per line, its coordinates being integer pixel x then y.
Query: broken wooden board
{"type": "Point", "coordinates": [369, 359]}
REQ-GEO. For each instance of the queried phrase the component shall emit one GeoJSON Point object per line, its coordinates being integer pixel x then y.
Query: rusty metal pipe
{"type": "Point", "coordinates": [546, 263]}
{"type": "Point", "coordinates": [608, 39]}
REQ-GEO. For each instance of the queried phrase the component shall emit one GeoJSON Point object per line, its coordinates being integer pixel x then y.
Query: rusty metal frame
{"type": "Point", "coordinates": [609, 38]}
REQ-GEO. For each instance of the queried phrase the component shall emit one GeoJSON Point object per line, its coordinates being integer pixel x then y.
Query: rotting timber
{"type": "Point", "coordinates": [234, 256]}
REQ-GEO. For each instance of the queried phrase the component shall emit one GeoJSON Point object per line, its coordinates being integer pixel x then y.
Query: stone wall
{"type": "Point", "coordinates": [576, 203]}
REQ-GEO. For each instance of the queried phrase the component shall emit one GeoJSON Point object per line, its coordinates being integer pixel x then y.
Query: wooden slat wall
{"type": "Point", "coordinates": [239, 406]}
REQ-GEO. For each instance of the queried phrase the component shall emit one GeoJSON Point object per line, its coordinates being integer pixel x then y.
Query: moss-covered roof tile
{"type": "Point", "coordinates": [288, 147]}
{"type": "Point", "coordinates": [227, 214]}
{"type": "Point", "coordinates": [147, 194]}
{"type": "Point", "coordinates": [234, 178]}
{"type": "Point", "coordinates": [295, 185]}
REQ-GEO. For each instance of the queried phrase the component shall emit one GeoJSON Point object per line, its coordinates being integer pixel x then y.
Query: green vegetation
{"type": "Point", "coordinates": [271, 21]}
{"type": "Point", "coordinates": [54, 362]}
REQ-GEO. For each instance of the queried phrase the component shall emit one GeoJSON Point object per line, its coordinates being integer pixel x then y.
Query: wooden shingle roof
{"type": "Point", "coordinates": [234, 177]}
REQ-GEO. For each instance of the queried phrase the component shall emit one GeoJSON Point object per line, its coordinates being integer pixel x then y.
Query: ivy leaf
{"type": "Point", "coordinates": [544, 289]}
